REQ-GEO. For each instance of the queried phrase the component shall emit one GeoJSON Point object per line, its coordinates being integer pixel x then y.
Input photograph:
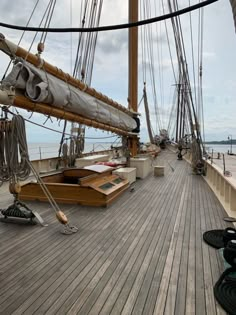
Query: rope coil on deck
{"type": "Point", "coordinates": [214, 238]}
{"type": "Point", "coordinates": [225, 292]}
{"type": "Point", "coordinates": [225, 287]}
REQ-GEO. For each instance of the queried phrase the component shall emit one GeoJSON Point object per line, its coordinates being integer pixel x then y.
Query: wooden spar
{"type": "Point", "coordinates": [147, 115]}
{"type": "Point", "coordinates": [133, 57]}
{"type": "Point", "coordinates": [13, 50]}
{"type": "Point", "coordinates": [133, 68]}
{"type": "Point", "coordinates": [23, 102]}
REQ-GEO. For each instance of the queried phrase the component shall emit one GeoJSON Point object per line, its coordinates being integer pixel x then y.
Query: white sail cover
{"type": "Point", "coordinates": [41, 87]}
{"type": "Point", "coordinates": [233, 4]}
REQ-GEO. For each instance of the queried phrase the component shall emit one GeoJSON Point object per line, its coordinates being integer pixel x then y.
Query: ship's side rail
{"type": "Point", "coordinates": [53, 163]}
{"type": "Point", "coordinates": [223, 186]}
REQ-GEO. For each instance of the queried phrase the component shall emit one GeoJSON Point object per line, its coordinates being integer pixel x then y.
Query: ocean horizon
{"type": "Point", "coordinates": [48, 150]}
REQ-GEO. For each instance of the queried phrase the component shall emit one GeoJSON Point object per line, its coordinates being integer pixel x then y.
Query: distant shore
{"type": "Point", "coordinates": [229, 142]}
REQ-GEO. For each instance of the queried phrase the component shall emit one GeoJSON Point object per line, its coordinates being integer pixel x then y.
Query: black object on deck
{"type": "Point", "coordinates": [214, 238]}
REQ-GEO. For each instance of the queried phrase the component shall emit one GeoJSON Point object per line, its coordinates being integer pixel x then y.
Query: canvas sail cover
{"type": "Point", "coordinates": [233, 4]}
{"type": "Point", "coordinates": [41, 87]}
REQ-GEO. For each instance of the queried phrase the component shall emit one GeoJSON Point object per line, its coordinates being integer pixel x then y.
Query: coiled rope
{"type": "Point", "coordinates": [225, 289]}
{"type": "Point", "coordinates": [225, 292]}
{"type": "Point", "coordinates": [15, 164]}
{"type": "Point", "coordinates": [13, 150]}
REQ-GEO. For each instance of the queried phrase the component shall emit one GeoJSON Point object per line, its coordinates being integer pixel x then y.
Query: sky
{"type": "Point", "coordinates": [111, 61]}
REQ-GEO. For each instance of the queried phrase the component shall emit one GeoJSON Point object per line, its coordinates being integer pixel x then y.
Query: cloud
{"type": "Point", "coordinates": [209, 55]}
{"type": "Point", "coordinates": [109, 43]}
{"type": "Point", "coordinates": [111, 58]}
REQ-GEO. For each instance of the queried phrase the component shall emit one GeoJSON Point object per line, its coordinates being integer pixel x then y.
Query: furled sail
{"type": "Point", "coordinates": [233, 4]}
{"type": "Point", "coordinates": [41, 87]}
{"type": "Point", "coordinates": [71, 99]}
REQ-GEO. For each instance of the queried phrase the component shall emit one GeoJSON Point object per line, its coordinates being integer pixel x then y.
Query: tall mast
{"type": "Point", "coordinates": [133, 67]}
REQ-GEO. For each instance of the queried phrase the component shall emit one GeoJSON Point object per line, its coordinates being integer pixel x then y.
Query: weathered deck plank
{"type": "Point", "coordinates": [142, 255]}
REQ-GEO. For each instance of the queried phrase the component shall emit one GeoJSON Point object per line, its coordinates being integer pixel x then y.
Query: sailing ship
{"type": "Point", "coordinates": [142, 255]}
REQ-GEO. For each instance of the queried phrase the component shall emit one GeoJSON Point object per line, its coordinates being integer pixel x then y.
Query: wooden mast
{"type": "Point", "coordinates": [133, 68]}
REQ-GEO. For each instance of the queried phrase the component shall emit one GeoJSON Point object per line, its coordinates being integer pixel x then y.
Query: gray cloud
{"type": "Point", "coordinates": [110, 67]}
{"type": "Point", "coordinates": [110, 43]}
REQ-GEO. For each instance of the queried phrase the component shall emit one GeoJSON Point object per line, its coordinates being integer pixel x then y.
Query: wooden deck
{"type": "Point", "coordinates": [142, 255]}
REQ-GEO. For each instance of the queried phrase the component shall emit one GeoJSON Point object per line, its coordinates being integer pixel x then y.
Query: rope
{"type": "Point", "coordinates": [44, 188]}
{"type": "Point", "coordinates": [14, 151]}
{"type": "Point", "coordinates": [225, 292]}
{"type": "Point", "coordinates": [60, 132]}
{"type": "Point", "coordinates": [32, 13]}
{"type": "Point", "coordinates": [147, 40]}
{"type": "Point", "coordinates": [51, 8]}
{"type": "Point", "coordinates": [192, 51]}
{"type": "Point", "coordinates": [214, 238]}
{"type": "Point", "coordinates": [111, 27]}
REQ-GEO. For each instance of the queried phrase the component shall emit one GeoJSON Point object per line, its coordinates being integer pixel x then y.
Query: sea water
{"type": "Point", "coordinates": [221, 148]}
{"type": "Point", "coordinates": [47, 150]}
{"type": "Point", "coordinates": [39, 151]}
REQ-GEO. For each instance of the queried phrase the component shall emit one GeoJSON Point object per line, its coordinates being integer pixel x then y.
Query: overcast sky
{"type": "Point", "coordinates": [110, 67]}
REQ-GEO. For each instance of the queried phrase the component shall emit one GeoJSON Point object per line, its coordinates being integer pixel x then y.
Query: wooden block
{"type": "Point", "coordinates": [142, 165]}
{"type": "Point", "coordinates": [127, 172]}
{"type": "Point", "coordinates": [159, 170]}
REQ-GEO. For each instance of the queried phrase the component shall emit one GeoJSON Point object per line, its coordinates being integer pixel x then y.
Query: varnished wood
{"type": "Point", "coordinates": [78, 186]}
{"type": "Point", "coordinates": [12, 49]}
{"type": "Point", "coordinates": [23, 102]}
{"type": "Point", "coordinates": [133, 69]}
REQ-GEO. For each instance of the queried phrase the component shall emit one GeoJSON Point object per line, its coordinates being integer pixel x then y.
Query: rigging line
{"type": "Point", "coordinates": [142, 47]}
{"type": "Point", "coordinates": [160, 66]}
{"type": "Point", "coordinates": [173, 22]}
{"type": "Point", "coordinates": [37, 31]}
{"type": "Point", "coordinates": [193, 61]}
{"type": "Point", "coordinates": [31, 15]}
{"type": "Point", "coordinates": [47, 20]}
{"type": "Point", "coordinates": [71, 37]}
{"type": "Point", "coordinates": [96, 21]}
{"type": "Point", "coordinates": [140, 102]}
{"type": "Point", "coordinates": [151, 68]}
{"type": "Point", "coordinates": [151, 63]}
{"type": "Point", "coordinates": [93, 46]}
{"type": "Point", "coordinates": [57, 131]}
{"type": "Point", "coordinates": [199, 53]}
{"type": "Point", "coordinates": [22, 35]}
{"type": "Point", "coordinates": [184, 64]}
{"type": "Point", "coordinates": [31, 45]}
{"type": "Point", "coordinates": [190, 103]}
{"type": "Point", "coordinates": [80, 42]}
{"type": "Point", "coordinates": [172, 109]}
{"type": "Point", "coordinates": [152, 74]}
{"type": "Point", "coordinates": [169, 111]}
{"type": "Point", "coordinates": [111, 27]}
{"type": "Point", "coordinates": [62, 138]}
{"type": "Point", "coordinates": [185, 72]}
{"type": "Point", "coordinates": [87, 52]}
{"type": "Point", "coordinates": [180, 34]}
{"type": "Point", "coordinates": [201, 69]}
{"type": "Point", "coordinates": [50, 19]}
{"type": "Point", "coordinates": [168, 41]}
